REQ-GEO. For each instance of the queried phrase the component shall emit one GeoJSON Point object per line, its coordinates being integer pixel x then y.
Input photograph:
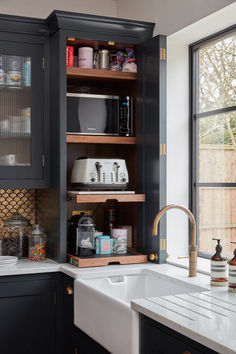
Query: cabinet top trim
{"type": "Point", "coordinates": [84, 22]}
{"type": "Point", "coordinates": [23, 25]}
{"type": "Point", "coordinates": [71, 21]}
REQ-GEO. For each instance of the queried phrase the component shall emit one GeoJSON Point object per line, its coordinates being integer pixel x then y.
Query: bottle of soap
{"type": "Point", "coordinates": [218, 267]}
{"type": "Point", "coordinates": [232, 273]}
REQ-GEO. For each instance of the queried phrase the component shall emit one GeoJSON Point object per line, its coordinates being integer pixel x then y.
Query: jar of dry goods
{"type": "Point", "coordinates": [15, 232]}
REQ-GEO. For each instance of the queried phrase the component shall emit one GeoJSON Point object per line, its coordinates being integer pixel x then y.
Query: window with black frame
{"type": "Point", "coordinates": [213, 143]}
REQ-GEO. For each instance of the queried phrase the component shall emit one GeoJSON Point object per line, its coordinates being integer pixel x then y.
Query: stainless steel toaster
{"type": "Point", "coordinates": [99, 174]}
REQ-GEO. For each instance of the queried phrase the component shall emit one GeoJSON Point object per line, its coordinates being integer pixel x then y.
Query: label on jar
{"type": "Point", "coordinates": [218, 269]}
{"type": "Point", "coordinates": [232, 274]}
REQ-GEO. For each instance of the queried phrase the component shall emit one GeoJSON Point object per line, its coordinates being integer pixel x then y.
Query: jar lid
{"type": "Point", "coordinates": [17, 219]}
{"type": "Point", "coordinates": [103, 51]}
{"type": "Point", "coordinates": [37, 230]}
{"type": "Point", "coordinates": [103, 237]}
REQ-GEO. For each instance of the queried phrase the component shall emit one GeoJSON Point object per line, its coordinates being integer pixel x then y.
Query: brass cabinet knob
{"type": "Point", "coordinates": [153, 257]}
{"type": "Point", "coordinates": [69, 290]}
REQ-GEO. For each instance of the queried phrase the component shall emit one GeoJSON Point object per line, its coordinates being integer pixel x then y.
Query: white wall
{"type": "Point", "coordinates": [178, 118]}
{"type": "Point", "coordinates": [42, 8]}
{"type": "Point", "coordinates": [169, 15]}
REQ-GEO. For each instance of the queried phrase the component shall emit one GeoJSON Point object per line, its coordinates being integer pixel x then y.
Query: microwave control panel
{"type": "Point", "coordinates": [125, 116]}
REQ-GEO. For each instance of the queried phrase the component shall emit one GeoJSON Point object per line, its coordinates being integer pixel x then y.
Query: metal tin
{"type": "Point", "coordinates": [104, 59]}
{"type": "Point", "coordinates": [85, 57]}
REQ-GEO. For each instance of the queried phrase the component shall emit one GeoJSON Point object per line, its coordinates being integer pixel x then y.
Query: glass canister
{"type": "Point", "coordinates": [15, 236]}
{"type": "Point", "coordinates": [37, 244]}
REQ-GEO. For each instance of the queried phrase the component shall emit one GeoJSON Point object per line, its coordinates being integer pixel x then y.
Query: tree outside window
{"type": "Point", "coordinates": [214, 141]}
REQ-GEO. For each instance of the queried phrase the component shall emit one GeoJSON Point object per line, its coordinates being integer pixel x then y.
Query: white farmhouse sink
{"type": "Point", "coordinates": [103, 311]}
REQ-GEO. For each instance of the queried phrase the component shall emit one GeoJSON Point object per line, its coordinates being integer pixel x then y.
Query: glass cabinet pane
{"type": "Point", "coordinates": [15, 110]}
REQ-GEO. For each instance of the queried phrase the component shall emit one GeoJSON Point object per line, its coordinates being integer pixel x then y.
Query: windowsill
{"type": "Point", "coordinates": [203, 264]}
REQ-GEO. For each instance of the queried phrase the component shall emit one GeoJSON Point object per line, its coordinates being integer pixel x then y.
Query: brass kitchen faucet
{"type": "Point", "coordinates": [193, 244]}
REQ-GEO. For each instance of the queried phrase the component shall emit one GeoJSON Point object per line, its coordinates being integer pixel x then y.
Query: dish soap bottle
{"type": "Point", "coordinates": [218, 267]}
{"type": "Point", "coordinates": [232, 273]}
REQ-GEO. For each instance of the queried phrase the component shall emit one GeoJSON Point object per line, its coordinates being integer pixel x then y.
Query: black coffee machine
{"type": "Point", "coordinates": [80, 239]}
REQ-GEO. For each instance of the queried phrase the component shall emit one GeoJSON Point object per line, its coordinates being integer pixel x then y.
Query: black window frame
{"type": "Point", "coordinates": [194, 185]}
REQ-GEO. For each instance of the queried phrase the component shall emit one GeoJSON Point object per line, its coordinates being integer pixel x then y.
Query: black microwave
{"type": "Point", "coordinates": [99, 114]}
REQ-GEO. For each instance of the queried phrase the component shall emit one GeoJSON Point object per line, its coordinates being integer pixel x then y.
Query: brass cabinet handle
{"type": "Point", "coordinates": [69, 290]}
{"type": "Point", "coordinates": [153, 257]}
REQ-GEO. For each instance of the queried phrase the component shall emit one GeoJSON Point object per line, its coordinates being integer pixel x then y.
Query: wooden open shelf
{"type": "Point", "coordinates": [79, 42]}
{"type": "Point", "coordinates": [109, 259]}
{"type": "Point", "coordinates": [102, 198]}
{"type": "Point", "coordinates": [101, 139]}
{"type": "Point", "coordinates": [75, 72]}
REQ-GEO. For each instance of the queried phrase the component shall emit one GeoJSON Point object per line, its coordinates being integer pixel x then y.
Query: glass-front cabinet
{"type": "Point", "coordinates": [21, 111]}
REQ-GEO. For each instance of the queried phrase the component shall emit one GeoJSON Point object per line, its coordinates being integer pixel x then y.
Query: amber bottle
{"type": "Point", "coordinates": [218, 267]}
{"type": "Point", "coordinates": [232, 273]}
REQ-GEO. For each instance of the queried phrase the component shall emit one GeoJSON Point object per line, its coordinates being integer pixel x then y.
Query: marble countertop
{"type": "Point", "coordinates": [208, 317]}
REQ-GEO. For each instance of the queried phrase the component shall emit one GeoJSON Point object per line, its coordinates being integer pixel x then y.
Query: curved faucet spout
{"type": "Point", "coordinates": [193, 245]}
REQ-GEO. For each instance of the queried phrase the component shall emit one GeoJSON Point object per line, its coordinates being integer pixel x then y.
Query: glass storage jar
{"type": "Point", "coordinates": [37, 244]}
{"type": "Point", "coordinates": [15, 236]}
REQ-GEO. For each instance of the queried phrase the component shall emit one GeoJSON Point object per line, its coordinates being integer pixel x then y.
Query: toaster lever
{"type": "Point", "coordinates": [116, 167]}
{"type": "Point", "coordinates": [98, 167]}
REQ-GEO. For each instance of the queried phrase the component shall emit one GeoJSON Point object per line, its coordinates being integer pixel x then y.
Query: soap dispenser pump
{"type": "Point", "coordinates": [218, 267]}
{"type": "Point", "coordinates": [232, 273]}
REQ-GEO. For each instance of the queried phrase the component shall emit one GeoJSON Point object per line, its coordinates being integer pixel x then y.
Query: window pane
{"type": "Point", "coordinates": [217, 75]}
{"type": "Point", "coordinates": [217, 148]}
{"type": "Point", "coordinates": [15, 110]}
{"type": "Point", "coordinates": [217, 219]}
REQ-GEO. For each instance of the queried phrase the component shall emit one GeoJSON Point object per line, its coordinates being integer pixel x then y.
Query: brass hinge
{"type": "Point", "coordinates": [111, 43]}
{"type": "Point", "coordinates": [55, 298]}
{"type": "Point", "coordinates": [163, 149]}
{"type": "Point", "coordinates": [71, 38]}
{"type": "Point", "coordinates": [43, 62]}
{"type": "Point", "coordinates": [43, 160]}
{"type": "Point", "coordinates": [162, 244]}
{"type": "Point", "coordinates": [163, 53]}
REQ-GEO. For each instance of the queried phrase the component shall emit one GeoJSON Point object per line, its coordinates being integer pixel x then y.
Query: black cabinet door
{"type": "Point", "coordinates": [27, 314]}
{"type": "Point", "coordinates": [21, 111]}
{"type": "Point", "coordinates": [151, 140]}
{"type": "Point", "coordinates": [158, 339]}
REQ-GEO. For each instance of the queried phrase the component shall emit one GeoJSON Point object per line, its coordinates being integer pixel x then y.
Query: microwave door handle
{"type": "Point", "coordinates": [98, 167]}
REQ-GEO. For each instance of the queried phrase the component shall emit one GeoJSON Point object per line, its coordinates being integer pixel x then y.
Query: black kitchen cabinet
{"type": "Point", "coordinates": [29, 314]}
{"type": "Point", "coordinates": [146, 158]}
{"type": "Point", "coordinates": [74, 340]}
{"type": "Point", "coordinates": [159, 339]}
{"type": "Point", "coordinates": [24, 103]}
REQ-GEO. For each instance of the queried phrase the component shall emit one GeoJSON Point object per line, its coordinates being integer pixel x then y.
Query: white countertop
{"type": "Point", "coordinates": [208, 317]}
{"type": "Point", "coordinates": [25, 266]}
